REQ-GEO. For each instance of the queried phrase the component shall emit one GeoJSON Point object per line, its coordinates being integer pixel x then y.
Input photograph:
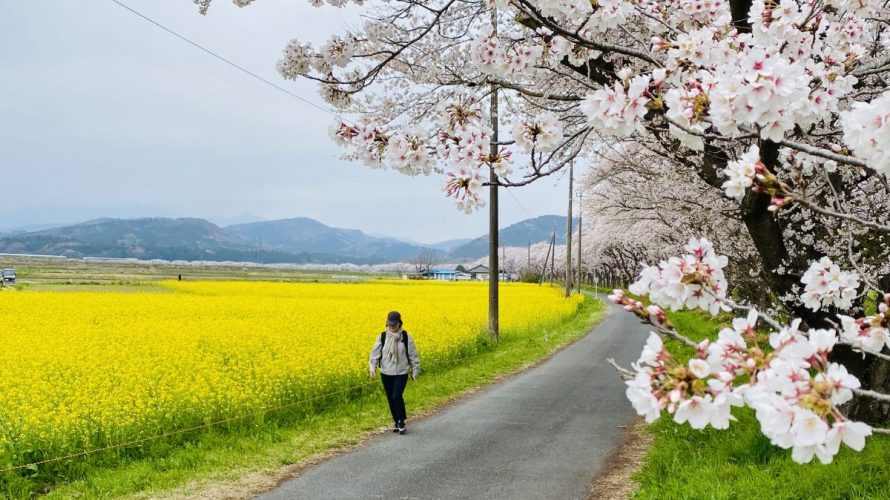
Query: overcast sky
{"type": "Point", "coordinates": [103, 114]}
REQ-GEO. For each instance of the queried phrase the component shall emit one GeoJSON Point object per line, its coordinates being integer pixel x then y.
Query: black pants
{"type": "Point", "coordinates": [394, 385]}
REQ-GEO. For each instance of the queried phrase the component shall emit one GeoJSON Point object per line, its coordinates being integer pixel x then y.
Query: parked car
{"type": "Point", "coordinates": [8, 276]}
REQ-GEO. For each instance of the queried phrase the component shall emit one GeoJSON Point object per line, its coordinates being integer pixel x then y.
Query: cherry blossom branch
{"type": "Point", "coordinates": [530, 10]}
{"type": "Point", "coordinates": [875, 71]}
{"type": "Point", "coordinates": [872, 394]}
{"type": "Point", "coordinates": [860, 350]}
{"type": "Point", "coordinates": [653, 315]}
{"type": "Point", "coordinates": [674, 334]}
{"type": "Point", "coordinates": [873, 67]}
{"type": "Point", "coordinates": [717, 137]}
{"type": "Point", "coordinates": [371, 75]}
{"type": "Point", "coordinates": [522, 90]}
{"type": "Point", "coordinates": [624, 373]}
{"type": "Point", "coordinates": [777, 326]}
{"type": "Point", "coordinates": [828, 155]}
{"type": "Point", "coordinates": [537, 173]}
{"type": "Point", "coordinates": [839, 215]}
{"type": "Point", "coordinates": [869, 283]}
{"type": "Point", "coordinates": [731, 303]}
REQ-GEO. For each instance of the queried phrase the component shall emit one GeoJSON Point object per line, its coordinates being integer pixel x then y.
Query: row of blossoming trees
{"type": "Point", "coordinates": [770, 116]}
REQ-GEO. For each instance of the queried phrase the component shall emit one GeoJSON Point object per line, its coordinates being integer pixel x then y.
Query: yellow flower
{"type": "Point", "coordinates": [79, 370]}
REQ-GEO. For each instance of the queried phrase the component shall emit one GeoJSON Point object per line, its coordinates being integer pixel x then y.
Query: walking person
{"type": "Point", "coordinates": [394, 352]}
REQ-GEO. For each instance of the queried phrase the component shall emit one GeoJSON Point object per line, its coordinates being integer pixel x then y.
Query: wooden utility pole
{"type": "Point", "coordinates": [546, 258]}
{"type": "Point", "coordinates": [528, 264]}
{"type": "Point", "coordinates": [552, 257]}
{"type": "Point", "coordinates": [493, 271]}
{"type": "Point", "coordinates": [580, 220]}
{"type": "Point", "coordinates": [569, 224]}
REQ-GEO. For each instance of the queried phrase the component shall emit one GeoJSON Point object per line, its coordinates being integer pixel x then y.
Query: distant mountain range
{"type": "Point", "coordinates": [525, 232]}
{"type": "Point", "coordinates": [297, 240]}
{"type": "Point", "coordinates": [308, 235]}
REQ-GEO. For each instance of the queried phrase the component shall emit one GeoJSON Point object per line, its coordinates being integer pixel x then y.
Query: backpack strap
{"type": "Point", "coordinates": [383, 339]}
{"type": "Point", "coordinates": [405, 341]}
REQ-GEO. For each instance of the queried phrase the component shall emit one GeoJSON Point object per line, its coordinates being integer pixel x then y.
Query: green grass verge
{"type": "Point", "coordinates": [601, 291]}
{"type": "Point", "coordinates": [185, 464]}
{"type": "Point", "coordinates": [740, 462]}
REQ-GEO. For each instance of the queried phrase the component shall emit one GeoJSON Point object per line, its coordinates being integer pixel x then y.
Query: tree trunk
{"type": "Point", "coordinates": [766, 233]}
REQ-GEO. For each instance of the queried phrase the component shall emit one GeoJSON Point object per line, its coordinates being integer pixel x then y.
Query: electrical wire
{"type": "Point", "coordinates": [223, 59]}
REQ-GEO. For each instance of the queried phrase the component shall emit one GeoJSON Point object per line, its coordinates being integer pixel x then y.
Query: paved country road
{"type": "Point", "coordinates": [541, 434]}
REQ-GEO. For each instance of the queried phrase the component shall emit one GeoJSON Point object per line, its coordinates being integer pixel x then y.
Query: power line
{"type": "Point", "coordinates": [520, 204]}
{"type": "Point", "coordinates": [258, 77]}
{"type": "Point", "coordinates": [223, 59]}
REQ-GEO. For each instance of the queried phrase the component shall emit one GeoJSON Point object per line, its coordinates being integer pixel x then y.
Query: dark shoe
{"type": "Point", "coordinates": [401, 427]}
{"type": "Point", "coordinates": [395, 427]}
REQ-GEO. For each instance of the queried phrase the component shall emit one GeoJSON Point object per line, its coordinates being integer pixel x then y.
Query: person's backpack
{"type": "Point", "coordinates": [383, 339]}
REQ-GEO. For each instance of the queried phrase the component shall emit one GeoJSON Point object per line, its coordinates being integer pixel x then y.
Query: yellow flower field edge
{"type": "Point", "coordinates": [86, 370]}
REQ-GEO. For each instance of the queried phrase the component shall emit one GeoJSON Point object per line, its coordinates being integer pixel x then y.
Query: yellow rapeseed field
{"type": "Point", "coordinates": [80, 369]}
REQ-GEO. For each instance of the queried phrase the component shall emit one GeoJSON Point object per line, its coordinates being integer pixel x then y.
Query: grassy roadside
{"type": "Point", "coordinates": [740, 462]}
{"type": "Point", "coordinates": [262, 446]}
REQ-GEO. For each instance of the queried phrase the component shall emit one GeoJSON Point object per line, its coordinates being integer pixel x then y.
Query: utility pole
{"type": "Point", "coordinates": [493, 271]}
{"type": "Point", "coordinates": [546, 258]}
{"type": "Point", "coordinates": [528, 265]}
{"type": "Point", "coordinates": [552, 258]}
{"type": "Point", "coordinates": [569, 224]}
{"type": "Point", "coordinates": [580, 219]}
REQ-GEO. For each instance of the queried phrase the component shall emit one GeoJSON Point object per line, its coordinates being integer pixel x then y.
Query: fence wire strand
{"type": "Point", "coordinates": [256, 413]}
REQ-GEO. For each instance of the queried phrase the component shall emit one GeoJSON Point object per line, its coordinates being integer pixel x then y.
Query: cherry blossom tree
{"type": "Point", "coordinates": [641, 206]}
{"type": "Point", "coordinates": [781, 105]}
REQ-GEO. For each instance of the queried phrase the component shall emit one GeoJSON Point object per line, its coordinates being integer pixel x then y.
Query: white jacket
{"type": "Point", "coordinates": [406, 359]}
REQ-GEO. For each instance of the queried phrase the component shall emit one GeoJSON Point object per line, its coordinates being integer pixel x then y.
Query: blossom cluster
{"type": "Point", "coordinates": [741, 173]}
{"type": "Point", "coordinates": [368, 141]}
{"type": "Point", "coordinates": [827, 285]}
{"type": "Point", "coordinates": [543, 133]}
{"type": "Point", "coordinates": [695, 280]}
{"type": "Point", "coordinates": [618, 110]}
{"type": "Point", "coordinates": [867, 132]}
{"type": "Point", "coordinates": [869, 333]}
{"type": "Point", "coordinates": [684, 391]}
{"type": "Point", "coordinates": [749, 171]}
{"type": "Point", "coordinates": [463, 141]}
{"type": "Point", "coordinates": [790, 382]}
{"type": "Point", "coordinates": [685, 110]}
{"type": "Point", "coordinates": [740, 82]}
{"type": "Point", "coordinates": [465, 186]}
{"type": "Point", "coordinates": [489, 56]}
{"type": "Point", "coordinates": [298, 59]}
{"type": "Point", "coordinates": [505, 57]}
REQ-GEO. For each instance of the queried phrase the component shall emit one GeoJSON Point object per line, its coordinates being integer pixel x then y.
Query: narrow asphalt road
{"type": "Point", "coordinates": [541, 434]}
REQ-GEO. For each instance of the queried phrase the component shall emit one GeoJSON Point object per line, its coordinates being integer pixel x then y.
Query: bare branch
{"type": "Point", "coordinates": [872, 394]}
{"type": "Point", "coordinates": [828, 155]}
{"type": "Point", "coordinates": [624, 373]}
{"type": "Point", "coordinates": [831, 213]}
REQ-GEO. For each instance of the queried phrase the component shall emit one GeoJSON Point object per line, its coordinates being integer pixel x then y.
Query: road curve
{"type": "Point", "coordinates": [543, 433]}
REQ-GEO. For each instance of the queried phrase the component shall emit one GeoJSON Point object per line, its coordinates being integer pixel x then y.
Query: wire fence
{"type": "Point", "coordinates": [431, 367]}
